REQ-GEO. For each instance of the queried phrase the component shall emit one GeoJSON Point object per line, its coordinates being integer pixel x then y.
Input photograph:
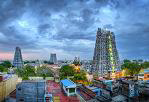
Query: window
{"type": "Point", "coordinates": [19, 88]}
{"type": "Point", "coordinates": [21, 100]}
{"type": "Point", "coordinates": [71, 90]}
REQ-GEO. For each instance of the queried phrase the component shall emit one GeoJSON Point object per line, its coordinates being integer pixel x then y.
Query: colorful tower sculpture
{"type": "Point", "coordinates": [105, 57]}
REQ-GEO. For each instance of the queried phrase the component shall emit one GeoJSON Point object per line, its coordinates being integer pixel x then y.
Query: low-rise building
{"type": "Point", "coordinates": [85, 94]}
{"type": "Point", "coordinates": [54, 91]}
{"type": "Point", "coordinates": [7, 85]}
{"type": "Point", "coordinates": [30, 91]}
{"type": "Point", "coordinates": [68, 86]}
{"type": "Point", "coordinates": [86, 65]}
{"type": "Point", "coordinates": [144, 74]}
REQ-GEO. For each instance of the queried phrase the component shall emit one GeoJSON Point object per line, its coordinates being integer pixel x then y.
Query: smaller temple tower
{"type": "Point", "coordinates": [53, 58]}
{"type": "Point", "coordinates": [18, 61]}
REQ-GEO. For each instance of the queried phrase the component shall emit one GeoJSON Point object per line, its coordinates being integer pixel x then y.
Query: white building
{"type": "Point", "coordinates": [68, 86]}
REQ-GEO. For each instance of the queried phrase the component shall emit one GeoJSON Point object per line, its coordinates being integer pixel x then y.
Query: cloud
{"type": "Point", "coordinates": [69, 26]}
{"type": "Point", "coordinates": [10, 10]}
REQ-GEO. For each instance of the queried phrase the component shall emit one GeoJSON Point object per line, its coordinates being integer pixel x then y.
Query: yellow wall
{"type": "Point", "coordinates": [118, 74]}
{"type": "Point", "coordinates": [7, 86]}
{"type": "Point", "coordinates": [146, 76]}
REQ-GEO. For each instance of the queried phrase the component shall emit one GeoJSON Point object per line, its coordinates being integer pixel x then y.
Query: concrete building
{"type": "Point", "coordinates": [30, 91]}
{"type": "Point", "coordinates": [85, 94]}
{"type": "Point", "coordinates": [7, 85]}
{"type": "Point", "coordinates": [105, 53]}
{"type": "Point", "coordinates": [18, 61]}
{"type": "Point", "coordinates": [77, 61]}
{"type": "Point", "coordinates": [53, 58]}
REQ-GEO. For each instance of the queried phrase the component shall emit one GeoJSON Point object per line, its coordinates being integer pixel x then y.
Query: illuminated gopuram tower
{"type": "Point", "coordinates": [18, 62]}
{"type": "Point", "coordinates": [105, 57]}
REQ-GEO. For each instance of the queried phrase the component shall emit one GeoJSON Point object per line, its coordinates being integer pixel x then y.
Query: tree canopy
{"type": "Point", "coordinates": [134, 66]}
{"type": "Point", "coordinates": [146, 65]}
{"type": "Point", "coordinates": [30, 71]}
{"type": "Point", "coordinates": [26, 72]}
{"type": "Point", "coordinates": [5, 65]}
{"type": "Point", "coordinates": [3, 69]}
{"type": "Point", "coordinates": [66, 71]}
{"type": "Point", "coordinates": [44, 72]}
{"type": "Point", "coordinates": [80, 76]}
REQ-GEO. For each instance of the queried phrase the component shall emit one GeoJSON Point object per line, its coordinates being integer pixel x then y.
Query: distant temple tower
{"type": "Point", "coordinates": [77, 61]}
{"type": "Point", "coordinates": [105, 57]}
{"type": "Point", "coordinates": [53, 58]}
{"type": "Point", "coordinates": [18, 62]}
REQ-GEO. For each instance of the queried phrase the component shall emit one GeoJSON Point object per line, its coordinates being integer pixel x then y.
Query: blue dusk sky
{"type": "Point", "coordinates": [68, 27]}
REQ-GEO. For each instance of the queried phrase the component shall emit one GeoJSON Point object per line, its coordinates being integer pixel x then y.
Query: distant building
{"type": "Point", "coordinates": [30, 91]}
{"type": "Point", "coordinates": [105, 53]}
{"type": "Point", "coordinates": [53, 58]}
{"type": "Point", "coordinates": [34, 64]}
{"type": "Point", "coordinates": [77, 61]}
{"type": "Point", "coordinates": [18, 61]}
{"type": "Point", "coordinates": [86, 65]}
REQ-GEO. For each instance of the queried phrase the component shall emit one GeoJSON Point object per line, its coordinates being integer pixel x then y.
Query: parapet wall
{"type": "Point", "coordinates": [7, 86]}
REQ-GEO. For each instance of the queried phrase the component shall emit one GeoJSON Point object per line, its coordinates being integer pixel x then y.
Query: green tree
{"type": "Point", "coordinates": [29, 70]}
{"type": "Point", "coordinates": [66, 71]}
{"type": "Point", "coordinates": [3, 69]}
{"type": "Point", "coordinates": [44, 72]}
{"type": "Point", "coordinates": [50, 62]}
{"type": "Point", "coordinates": [45, 62]}
{"type": "Point", "coordinates": [25, 62]}
{"type": "Point", "coordinates": [22, 73]}
{"type": "Point", "coordinates": [6, 64]}
{"type": "Point", "coordinates": [26, 72]}
{"type": "Point", "coordinates": [19, 72]}
{"type": "Point", "coordinates": [80, 76]}
{"type": "Point", "coordinates": [140, 60]}
{"type": "Point", "coordinates": [146, 65]}
{"type": "Point", "coordinates": [126, 61]}
{"type": "Point", "coordinates": [25, 77]}
{"type": "Point", "coordinates": [133, 67]}
{"type": "Point", "coordinates": [33, 61]}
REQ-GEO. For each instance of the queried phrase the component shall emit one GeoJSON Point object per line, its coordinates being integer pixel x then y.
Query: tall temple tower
{"type": "Point", "coordinates": [18, 62]}
{"type": "Point", "coordinates": [53, 58]}
{"type": "Point", "coordinates": [105, 57]}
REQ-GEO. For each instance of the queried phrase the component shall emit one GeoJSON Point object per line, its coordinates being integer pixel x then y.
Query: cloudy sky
{"type": "Point", "coordinates": [68, 27]}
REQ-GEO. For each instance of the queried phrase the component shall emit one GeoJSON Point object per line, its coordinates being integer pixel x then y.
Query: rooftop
{"type": "Point", "coordinates": [58, 94]}
{"type": "Point", "coordinates": [68, 83]}
{"type": "Point", "coordinates": [31, 81]}
{"type": "Point", "coordinates": [4, 77]}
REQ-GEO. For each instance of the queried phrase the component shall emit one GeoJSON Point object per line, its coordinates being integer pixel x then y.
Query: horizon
{"type": "Point", "coordinates": [68, 28]}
